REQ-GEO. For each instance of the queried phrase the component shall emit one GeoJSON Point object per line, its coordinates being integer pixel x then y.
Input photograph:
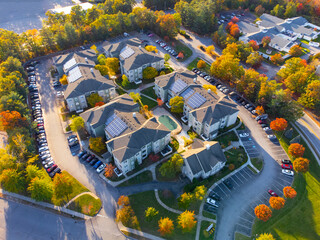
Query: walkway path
{"type": "Point", "coordinates": [139, 233]}
{"type": "Point", "coordinates": [79, 195]}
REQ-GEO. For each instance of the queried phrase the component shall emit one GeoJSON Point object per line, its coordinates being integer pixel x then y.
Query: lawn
{"type": "Point", "coordinates": [239, 236]}
{"type": "Point", "coordinates": [317, 39]}
{"type": "Point", "coordinates": [193, 64]}
{"type": "Point", "coordinates": [257, 162]}
{"type": "Point", "coordinates": [120, 91]}
{"type": "Point", "coordinates": [130, 86]}
{"type": "Point", "coordinates": [300, 218]}
{"type": "Point", "coordinates": [237, 157]}
{"type": "Point", "coordinates": [86, 204]}
{"type": "Point", "coordinates": [225, 139]}
{"type": "Point", "coordinates": [208, 214]}
{"type": "Point", "coordinates": [203, 233]}
{"type": "Point", "coordinates": [146, 101]}
{"type": "Point", "coordinates": [141, 201]}
{"type": "Point", "coordinates": [180, 47]}
{"type": "Point", "coordinates": [149, 92]}
{"type": "Point", "coordinates": [264, 50]}
{"type": "Point", "coordinates": [143, 177]}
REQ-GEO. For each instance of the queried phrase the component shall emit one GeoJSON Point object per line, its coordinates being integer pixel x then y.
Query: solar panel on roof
{"type": "Point", "coordinates": [115, 126]}
{"type": "Point", "coordinates": [74, 74]}
{"type": "Point", "coordinates": [68, 65]}
{"type": "Point", "coordinates": [187, 93]}
{"type": "Point", "coordinates": [178, 86]}
{"type": "Point", "coordinates": [126, 52]}
{"type": "Point", "coordinates": [196, 100]}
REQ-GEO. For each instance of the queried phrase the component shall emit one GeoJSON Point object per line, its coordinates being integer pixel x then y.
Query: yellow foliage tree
{"type": "Point", "coordinates": [64, 80]}
{"type": "Point", "coordinates": [151, 48]}
{"type": "Point", "coordinates": [211, 87]}
{"type": "Point", "coordinates": [186, 220]}
{"type": "Point", "coordinates": [210, 50]}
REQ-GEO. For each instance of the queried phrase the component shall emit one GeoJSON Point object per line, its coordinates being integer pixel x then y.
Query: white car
{"type": "Point", "coordinates": [271, 136]}
{"type": "Point", "coordinates": [287, 172]}
{"type": "Point", "coordinates": [60, 94]}
{"type": "Point", "coordinates": [266, 128]}
{"type": "Point", "coordinates": [212, 202]}
{"type": "Point", "coordinates": [244, 135]}
{"type": "Point", "coordinates": [101, 168]}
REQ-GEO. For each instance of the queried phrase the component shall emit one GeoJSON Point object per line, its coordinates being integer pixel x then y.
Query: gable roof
{"type": "Point", "coordinates": [85, 57]}
{"type": "Point", "coordinates": [204, 156]}
{"type": "Point", "coordinates": [247, 28]}
{"type": "Point", "coordinates": [166, 81]}
{"type": "Point", "coordinates": [90, 80]}
{"type": "Point", "coordinates": [268, 20]}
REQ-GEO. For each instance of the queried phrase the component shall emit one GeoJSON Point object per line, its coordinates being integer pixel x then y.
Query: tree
{"type": "Point", "coordinates": [201, 64]}
{"type": "Point", "coordinates": [234, 19]}
{"type": "Point", "coordinates": [187, 221]}
{"type": "Point", "coordinates": [11, 119]}
{"type": "Point", "coordinates": [263, 212]}
{"type": "Point", "coordinates": [185, 200]}
{"type": "Point", "coordinates": [150, 213]}
{"type": "Point", "coordinates": [97, 144]}
{"type": "Point", "coordinates": [199, 192]}
{"type": "Point", "coordinates": [211, 50]}
{"type": "Point", "coordinates": [126, 216]}
{"type": "Point", "coordinates": [41, 189]}
{"type": "Point", "coordinates": [7, 161]}
{"type": "Point", "coordinates": [149, 73]}
{"type": "Point", "coordinates": [277, 202]}
{"type": "Point", "coordinates": [265, 236]}
{"type": "Point", "coordinates": [277, 59]}
{"type": "Point", "coordinates": [259, 10]}
{"type": "Point", "coordinates": [11, 180]}
{"type": "Point", "coordinates": [301, 165]}
{"type": "Point", "coordinates": [166, 226]}
{"type": "Point", "coordinates": [296, 150]}
{"type": "Point", "coordinates": [254, 60]}
{"type": "Point", "coordinates": [103, 69]}
{"type": "Point", "coordinates": [259, 110]}
{"type": "Point", "coordinates": [112, 65]}
{"type": "Point", "coordinates": [151, 48]}
{"type": "Point", "coordinates": [176, 104]}
{"type": "Point", "coordinates": [94, 98]}
{"type": "Point", "coordinates": [62, 185]}
{"type": "Point", "coordinates": [172, 166]}
{"type": "Point", "coordinates": [77, 123]}
{"type": "Point", "coordinates": [278, 10]}
{"type": "Point", "coordinates": [210, 87]}
{"type": "Point", "coordinates": [13, 102]}
{"type": "Point", "coordinates": [167, 57]}
{"type": "Point", "coordinates": [265, 41]}
{"type": "Point", "coordinates": [279, 125]}
{"type": "Point", "coordinates": [254, 45]}
{"type": "Point", "coordinates": [169, 24]}
{"type": "Point", "coordinates": [123, 201]}
{"type": "Point", "coordinates": [289, 192]}
{"type": "Point", "coordinates": [311, 97]}
{"type": "Point", "coordinates": [32, 171]}
{"type": "Point", "coordinates": [109, 170]}
{"type": "Point", "coordinates": [136, 97]}
{"type": "Point", "coordinates": [99, 104]}
{"type": "Point", "coordinates": [181, 55]}
{"type": "Point", "coordinates": [64, 80]}
{"type": "Point", "coordinates": [291, 10]}
{"type": "Point", "coordinates": [295, 51]}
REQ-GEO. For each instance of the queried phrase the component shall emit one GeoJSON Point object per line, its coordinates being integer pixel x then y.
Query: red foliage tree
{"type": "Point", "coordinates": [277, 202]}
{"type": "Point", "coordinates": [98, 104]}
{"type": "Point", "coordinates": [235, 31]}
{"type": "Point", "coordinates": [254, 45]}
{"type": "Point", "coordinates": [263, 212]}
{"type": "Point", "coordinates": [280, 124]}
{"type": "Point", "coordinates": [160, 102]}
{"type": "Point", "coordinates": [11, 119]}
{"type": "Point", "coordinates": [265, 41]}
{"type": "Point", "coordinates": [300, 7]}
{"type": "Point", "coordinates": [296, 150]}
{"type": "Point", "coordinates": [153, 157]}
{"type": "Point", "coordinates": [301, 165]}
{"type": "Point", "coordinates": [109, 170]}
{"type": "Point", "coordinates": [289, 192]}
{"type": "Point", "coordinates": [235, 19]}
{"type": "Point", "coordinates": [180, 55]}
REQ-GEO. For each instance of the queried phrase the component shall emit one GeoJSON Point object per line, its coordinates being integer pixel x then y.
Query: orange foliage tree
{"type": "Point", "coordinates": [277, 202]}
{"type": "Point", "coordinates": [280, 124]}
{"type": "Point", "coordinates": [109, 170]}
{"type": "Point", "coordinates": [295, 51]}
{"type": "Point", "coordinates": [277, 59]}
{"type": "Point", "coordinates": [11, 119]}
{"type": "Point", "coordinates": [235, 19]}
{"type": "Point", "coordinates": [180, 55]}
{"type": "Point", "coordinates": [296, 150]}
{"type": "Point", "coordinates": [254, 45]}
{"type": "Point", "coordinates": [259, 110]}
{"type": "Point", "coordinates": [186, 221]}
{"type": "Point", "coordinates": [263, 212]}
{"type": "Point", "coordinates": [160, 102]}
{"type": "Point", "coordinates": [165, 226]}
{"type": "Point", "coordinates": [123, 200]}
{"type": "Point", "coordinates": [265, 41]}
{"type": "Point", "coordinates": [301, 164]}
{"type": "Point", "coordinates": [289, 192]}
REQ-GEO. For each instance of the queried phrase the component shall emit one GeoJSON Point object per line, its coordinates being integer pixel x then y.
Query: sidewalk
{"type": "Point", "coordinates": [139, 233]}
{"type": "Point", "coordinates": [19, 198]}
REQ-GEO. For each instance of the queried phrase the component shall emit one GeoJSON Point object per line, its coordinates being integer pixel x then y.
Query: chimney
{"type": "Point", "coordinates": [209, 90]}
{"type": "Point", "coordinates": [139, 46]}
{"type": "Point", "coordinates": [208, 146]}
{"type": "Point", "coordinates": [195, 80]}
{"type": "Point", "coordinates": [86, 59]}
{"type": "Point", "coordinates": [91, 70]}
{"type": "Point", "coordinates": [134, 114]}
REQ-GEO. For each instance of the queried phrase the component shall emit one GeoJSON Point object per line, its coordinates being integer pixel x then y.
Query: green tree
{"type": "Point", "coordinates": [176, 104]}
{"type": "Point", "coordinates": [77, 123]}
{"type": "Point", "coordinates": [150, 213]}
{"type": "Point", "coordinates": [254, 60]}
{"type": "Point", "coordinates": [136, 97]}
{"type": "Point", "coordinates": [11, 180]}
{"type": "Point", "coordinates": [167, 57]}
{"type": "Point", "coordinates": [13, 102]}
{"type": "Point", "coordinates": [97, 144]}
{"type": "Point", "coordinates": [278, 10]}
{"type": "Point", "coordinates": [185, 200]}
{"type": "Point", "coordinates": [125, 81]}
{"type": "Point", "coordinates": [41, 189]}
{"type": "Point", "coordinates": [291, 10]}
{"type": "Point", "coordinates": [149, 73]}
{"type": "Point", "coordinates": [32, 171]}
{"type": "Point", "coordinates": [94, 98]}
{"type": "Point", "coordinates": [62, 185]}
{"type": "Point", "coordinates": [7, 161]}
{"type": "Point", "coordinates": [172, 166]}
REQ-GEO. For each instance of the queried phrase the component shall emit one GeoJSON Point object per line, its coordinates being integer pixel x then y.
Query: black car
{"type": "Point", "coordinates": [228, 183]}
{"type": "Point", "coordinates": [34, 97]}
{"type": "Point", "coordinates": [93, 161]}
{"type": "Point", "coordinates": [85, 156]}
{"type": "Point", "coordinates": [82, 153]}
{"type": "Point", "coordinates": [285, 161]}
{"type": "Point", "coordinates": [90, 158]}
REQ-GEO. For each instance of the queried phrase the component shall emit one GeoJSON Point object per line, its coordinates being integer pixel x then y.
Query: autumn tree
{"type": "Point", "coordinates": [277, 59]}
{"type": "Point", "coordinates": [185, 200]}
{"type": "Point", "coordinates": [169, 24]}
{"type": "Point", "coordinates": [295, 51]}
{"type": "Point", "coordinates": [211, 50]}
{"type": "Point", "coordinates": [277, 202]}
{"type": "Point", "coordinates": [136, 97]}
{"type": "Point", "coordinates": [172, 166]}
{"type": "Point", "coordinates": [77, 123]}
{"type": "Point", "coordinates": [109, 170]}
{"type": "Point", "coordinates": [126, 215]}
{"type": "Point", "coordinates": [210, 87]}
{"type": "Point", "coordinates": [12, 180]}
{"type": "Point", "coordinates": [112, 65]}
{"type": "Point", "coordinates": [265, 236]}
{"type": "Point", "coordinates": [166, 57]}
{"type": "Point", "coordinates": [62, 185]}
{"type": "Point", "coordinates": [7, 161]}
{"type": "Point", "coordinates": [176, 104]}
{"type": "Point", "coordinates": [289, 192]}
{"type": "Point", "coordinates": [301, 165]}
{"type": "Point", "coordinates": [254, 60]}
{"type": "Point", "coordinates": [11, 119]}
{"type": "Point", "coordinates": [201, 64]}
{"type": "Point", "coordinates": [186, 221]}
{"type": "Point", "coordinates": [123, 201]}
{"type": "Point", "coordinates": [150, 213]}
{"type": "Point", "coordinates": [279, 124]}
{"type": "Point", "coordinates": [260, 110]}
{"type": "Point", "coordinates": [254, 45]}
{"type": "Point", "coordinates": [41, 189]}
{"type": "Point", "coordinates": [94, 98]}
{"type": "Point", "coordinates": [311, 97]}
{"type": "Point", "coordinates": [259, 10]}
{"type": "Point", "coordinates": [265, 41]}
{"type": "Point", "coordinates": [97, 144]}
{"type": "Point", "coordinates": [181, 55]}
{"type": "Point", "coordinates": [149, 73]}
{"type": "Point", "coordinates": [64, 80]}
{"type": "Point", "coordinates": [296, 150]}
{"type": "Point", "coordinates": [199, 192]}
{"type": "Point", "coordinates": [263, 212]}
{"type": "Point", "coordinates": [234, 19]}
{"type": "Point", "coordinates": [166, 226]}
{"type": "Point", "coordinates": [151, 48]}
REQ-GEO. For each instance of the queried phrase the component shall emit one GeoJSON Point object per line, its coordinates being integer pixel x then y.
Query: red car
{"type": "Point", "coordinates": [262, 122]}
{"type": "Point", "coordinates": [287, 166]}
{"type": "Point", "coordinates": [54, 166]}
{"type": "Point", "coordinates": [272, 193]}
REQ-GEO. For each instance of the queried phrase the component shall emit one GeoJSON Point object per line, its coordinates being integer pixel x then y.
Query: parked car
{"type": "Point", "coordinates": [244, 135]}
{"type": "Point", "coordinates": [82, 153]}
{"type": "Point", "coordinates": [262, 121]}
{"type": "Point", "coordinates": [272, 193]}
{"type": "Point", "coordinates": [54, 166]}
{"type": "Point", "coordinates": [247, 105]}
{"type": "Point", "coordinates": [287, 172]}
{"type": "Point", "coordinates": [263, 125]}
{"type": "Point", "coordinates": [97, 164]}
{"type": "Point", "coordinates": [101, 168]}
{"type": "Point", "coordinates": [210, 208]}
{"type": "Point", "coordinates": [243, 103]}
{"type": "Point", "coordinates": [212, 202]}
{"type": "Point", "coordinates": [271, 136]}
{"type": "Point", "coordinates": [285, 161]}
{"type": "Point", "coordinates": [215, 196]}
{"type": "Point", "coordinates": [85, 156]}
{"type": "Point", "coordinates": [262, 117]}
{"type": "Point", "coordinates": [266, 129]}
{"type": "Point", "coordinates": [286, 166]}
{"type": "Point", "coordinates": [48, 164]}
{"type": "Point", "coordinates": [93, 161]}
{"type": "Point", "coordinates": [89, 158]}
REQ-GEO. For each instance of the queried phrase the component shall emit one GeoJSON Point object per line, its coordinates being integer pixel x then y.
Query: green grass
{"type": "Point", "coordinates": [86, 204]}
{"type": "Point", "coordinates": [168, 122]}
{"type": "Point", "coordinates": [225, 139]}
{"type": "Point", "coordinates": [149, 92]}
{"type": "Point", "coordinates": [252, 169]}
{"type": "Point", "coordinates": [203, 232]}
{"type": "Point", "coordinates": [239, 236]}
{"type": "Point", "coordinates": [317, 39]}
{"type": "Point", "coordinates": [146, 101]}
{"type": "Point", "coordinates": [180, 47]}
{"type": "Point", "coordinates": [209, 215]}
{"type": "Point", "coordinates": [193, 64]}
{"type": "Point", "coordinates": [257, 162]}
{"type": "Point", "coordinates": [130, 86]}
{"type": "Point", "coordinates": [300, 218]}
{"type": "Point", "coordinates": [143, 177]}
{"type": "Point", "coordinates": [77, 188]}
{"type": "Point", "coordinates": [264, 50]}
{"type": "Point", "coordinates": [236, 156]}
{"type": "Point", "coordinates": [141, 201]}
{"type": "Point", "coordinates": [120, 91]}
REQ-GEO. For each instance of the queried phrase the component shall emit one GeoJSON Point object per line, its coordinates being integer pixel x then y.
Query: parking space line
{"type": "Point", "coordinates": [222, 190]}
{"type": "Point", "coordinates": [241, 177]}
{"type": "Point", "coordinates": [249, 228]}
{"type": "Point", "coordinates": [285, 180]}
{"type": "Point", "coordinates": [234, 181]}
{"type": "Point", "coordinates": [246, 174]}
{"type": "Point", "coordinates": [238, 178]}
{"type": "Point", "coordinates": [275, 186]}
{"type": "Point", "coordinates": [242, 174]}
{"type": "Point", "coordinates": [249, 172]}
{"type": "Point", "coordinates": [249, 212]}
{"type": "Point", "coordinates": [250, 222]}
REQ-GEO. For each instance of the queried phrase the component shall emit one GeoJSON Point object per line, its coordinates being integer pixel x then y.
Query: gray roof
{"type": "Point", "coordinates": [90, 80]}
{"type": "Point", "coordinates": [202, 159]}
{"type": "Point", "coordinates": [268, 20]}
{"type": "Point", "coordinates": [266, 32]}
{"type": "Point", "coordinates": [299, 20]}
{"type": "Point", "coordinates": [165, 81]}
{"type": "Point", "coordinates": [126, 146]}
{"type": "Point", "coordinates": [247, 28]}
{"type": "Point", "coordinates": [212, 113]}
{"type": "Point", "coordinates": [123, 106]}
{"type": "Point", "coordinates": [279, 41]}
{"type": "Point", "coordinates": [85, 57]}
{"type": "Point", "coordinates": [115, 48]}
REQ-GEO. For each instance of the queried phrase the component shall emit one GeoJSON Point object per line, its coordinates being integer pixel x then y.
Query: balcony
{"type": "Point", "coordinates": [204, 137]}
{"type": "Point", "coordinates": [166, 151]}
{"type": "Point", "coordinates": [184, 119]}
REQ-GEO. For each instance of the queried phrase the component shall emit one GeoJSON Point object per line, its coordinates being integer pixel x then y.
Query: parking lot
{"type": "Point", "coordinates": [249, 144]}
